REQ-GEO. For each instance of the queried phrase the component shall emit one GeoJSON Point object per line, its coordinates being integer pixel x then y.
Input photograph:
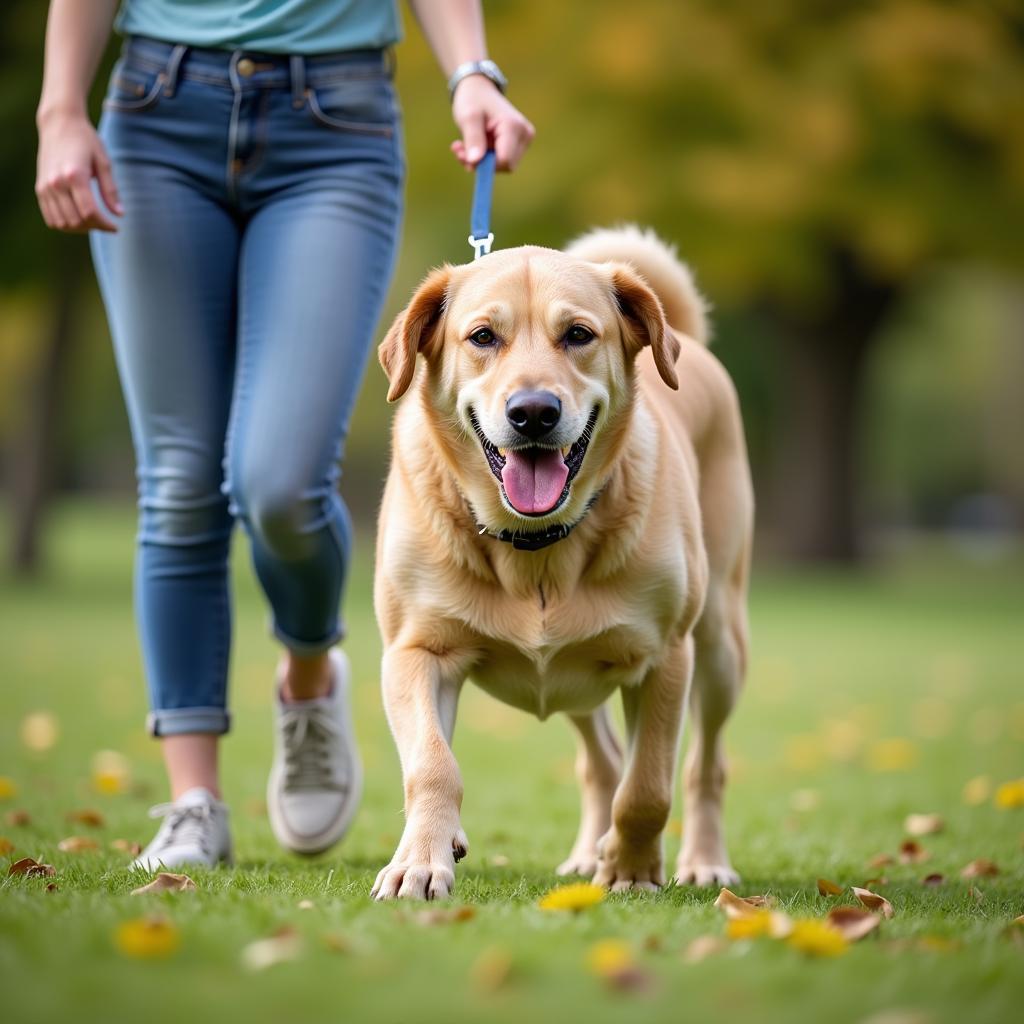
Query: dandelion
{"type": "Point", "coordinates": [1010, 795]}
{"type": "Point", "coordinates": [147, 938]}
{"type": "Point", "coordinates": [817, 938]}
{"type": "Point", "coordinates": [576, 897]}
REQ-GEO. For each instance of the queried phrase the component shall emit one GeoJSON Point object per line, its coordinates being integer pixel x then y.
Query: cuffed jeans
{"type": "Point", "coordinates": [262, 197]}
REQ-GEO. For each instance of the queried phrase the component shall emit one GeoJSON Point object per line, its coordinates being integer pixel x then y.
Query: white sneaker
{"type": "Point", "coordinates": [317, 779]}
{"type": "Point", "coordinates": [194, 831]}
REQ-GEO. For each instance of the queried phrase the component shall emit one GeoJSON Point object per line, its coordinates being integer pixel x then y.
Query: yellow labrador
{"type": "Point", "coordinates": [565, 516]}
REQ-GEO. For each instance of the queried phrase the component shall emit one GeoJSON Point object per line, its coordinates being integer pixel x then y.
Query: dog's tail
{"type": "Point", "coordinates": [658, 263]}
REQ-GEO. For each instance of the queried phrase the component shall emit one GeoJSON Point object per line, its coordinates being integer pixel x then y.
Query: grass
{"type": "Point", "coordinates": [875, 695]}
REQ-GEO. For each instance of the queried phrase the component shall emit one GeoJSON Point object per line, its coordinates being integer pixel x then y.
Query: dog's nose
{"type": "Point", "coordinates": [533, 413]}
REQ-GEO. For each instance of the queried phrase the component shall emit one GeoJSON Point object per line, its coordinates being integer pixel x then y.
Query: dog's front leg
{"type": "Point", "coordinates": [630, 853]}
{"type": "Point", "coordinates": [421, 691]}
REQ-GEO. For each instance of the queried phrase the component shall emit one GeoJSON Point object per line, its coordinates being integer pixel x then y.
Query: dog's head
{"type": "Point", "coordinates": [529, 375]}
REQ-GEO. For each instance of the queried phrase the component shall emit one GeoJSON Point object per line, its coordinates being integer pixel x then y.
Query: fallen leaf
{"type": "Point", "coordinates": [126, 846]}
{"type": "Point", "coordinates": [853, 922]}
{"type": "Point", "coordinates": [498, 860]}
{"type": "Point", "coordinates": [933, 880]}
{"type": "Point", "coordinates": [39, 731]}
{"type": "Point", "coordinates": [828, 888]}
{"type": "Point", "coordinates": [575, 897]}
{"type": "Point", "coordinates": [612, 961]}
{"type": "Point", "coordinates": [166, 882]}
{"type": "Point", "coordinates": [912, 852]}
{"type": "Point", "coordinates": [1010, 795]}
{"type": "Point", "coordinates": [740, 906]}
{"type": "Point", "coordinates": [78, 844]}
{"type": "Point", "coordinates": [980, 868]}
{"type": "Point", "coordinates": [491, 970]}
{"type": "Point", "coordinates": [6, 846]}
{"type": "Point", "coordinates": [306, 904]}
{"type": "Point", "coordinates": [703, 947]}
{"type": "Point", "coordinates": [874, 883]}
{"type": "Point", "coordinates": [873, 901]}
{"type": "Point", "coordinates": [923, 824]}
{"type": "Point", "coordinates": [8, 788]}
{"type": "Point", "coordinates": [880, 860]}
{"type": "Point", "coordinates": [52, 886]}
{"type": "Point", "coordinates": [445, 915]}
{"type": "Point", "coordinates": [147, 938]}
{"type": "Point", "coordinates": [1018, 921]}
{"type": "Point", "coordinates": [817, 938]}
{"type": "Point", "coordinates": [977, 790]}
{"type": "Point", "coordinates": [278, 949]}
{"type": "Point", "coordinates": [87, 816]}
{"type": "Point", "coordinates": [31, 868]}
{"type": "Point", "coordinates": [18, 819]}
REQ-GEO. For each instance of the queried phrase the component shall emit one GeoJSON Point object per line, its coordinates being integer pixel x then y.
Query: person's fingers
{"type": "Point", "coordinates": [511, 137]}
{"type": "Point", "coordinates": [45, 206]}
{"type": "Point", "coordinates": [474, 137]}
{"type": "Point", "coordinates": [89, 213]}
{"type": "Point", "coordinates": [67, 215]}
{"type": "Point", "coordinates": [105, 178]}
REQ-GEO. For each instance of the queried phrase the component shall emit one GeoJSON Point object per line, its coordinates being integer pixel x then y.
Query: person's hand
{"type": "Point", "coordinates": [488, 121]}
{"type": "Point", "coordinates": [70, 156]}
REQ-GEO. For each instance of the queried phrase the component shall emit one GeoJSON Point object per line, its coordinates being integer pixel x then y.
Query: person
{"type": "Point", "coordinates": [243, 195]}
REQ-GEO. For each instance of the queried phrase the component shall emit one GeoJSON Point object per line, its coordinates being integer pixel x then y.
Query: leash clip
{"type": "Point", "coordinates": [481, 246]}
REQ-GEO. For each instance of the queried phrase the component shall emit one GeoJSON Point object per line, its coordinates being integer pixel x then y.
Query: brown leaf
{"type": "Point", "coordinates": [78, 844]}
{"type": "Point", "coordinates": [702, 947]}
{"type": "Point", "coordinates": [923, 824]}
{"type": "Point", "coordinates": [880, 860]}
{"type": "Point", "coordinates": [166, 882]}
{"type": "Point", "coordinates": [87, 816]}
{"type": "Point", "coordinates": [873, 901]}
{"type": "Point", "coordinates": [491, 970]}
{"type": "Point", "coordinates": [980, 868]}
{"type": "Point", "coordinates": [912, 852]}
{"type": "Point", "coordinates": [18, 818]}
{"type": "Point", "coordinates": [828, 888]}
{"type": "Point", "coordinates": [934, 879]}
{"type": "Point", "coordinates": [734, 906]}
{"type": "Point", "coordinates": [285, 944]}
{"type": "Point", "coordinates": [30, 868]}
{"type": "Point", "coordinates": [6, 846]}
{"type": "Point", "coordinates": [445, 915]}
{"type": "Point", "coordinates": [126, 846]}
{"type": "Point", "coordinates": [52, 886]}
{"type": "Point", "coordinates": [853, 922]}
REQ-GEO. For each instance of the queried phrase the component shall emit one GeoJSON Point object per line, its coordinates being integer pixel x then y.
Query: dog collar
{"type": "Point", "coordinates": [538, 539]}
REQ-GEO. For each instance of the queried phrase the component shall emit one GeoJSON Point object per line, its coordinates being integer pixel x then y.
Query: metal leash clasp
{"type": "Point", "coordinates": [481, 246]}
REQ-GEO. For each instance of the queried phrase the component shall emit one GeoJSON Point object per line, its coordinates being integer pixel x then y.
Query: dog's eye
{"type": "Point", "coordinates": [579, 335]}
{"type": "Point", "coordinates": [483, 337]}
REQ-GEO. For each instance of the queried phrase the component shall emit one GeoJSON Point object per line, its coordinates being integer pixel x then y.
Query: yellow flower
{"type": "Point", "coordinates": [6, 846]}
{"type": "Point", "coordinates": [891, 755]}
{"type": "Point", "coordinates": [750, 926]}
{"type": "Point", "coordinates": [1010, 794]}
{"type": "Point", "coordinates": [576, 897]}
{"type": "Point", "coordinates": [609, 958]}
{"type": "Point", "coordinates": [817, 938]}
{"type": "Point", "coordinates": [147, 938]}
{"type": "Point", "coordinates": [111, 773]}
{"type": "Point", "coordinates": [977, 790]}
{"type": "Point", "coordinates": [8, 788]}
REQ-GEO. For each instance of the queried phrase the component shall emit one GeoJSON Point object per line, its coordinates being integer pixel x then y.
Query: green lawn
{"type": "Point", "coordinates": [870, 697]}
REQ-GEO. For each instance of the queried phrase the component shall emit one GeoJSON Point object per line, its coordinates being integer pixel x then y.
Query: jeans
{"type": "Point", "coordinates": [262, 198]}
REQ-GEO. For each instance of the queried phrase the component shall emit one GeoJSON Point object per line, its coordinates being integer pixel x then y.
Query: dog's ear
{"type": "Point", "coordinates": [645, 321]}
{"type": "Point", "coordinates": [412, 332]}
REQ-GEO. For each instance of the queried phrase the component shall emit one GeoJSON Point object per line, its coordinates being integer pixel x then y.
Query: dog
{"type": "Point", "coordinates": [568, 513]}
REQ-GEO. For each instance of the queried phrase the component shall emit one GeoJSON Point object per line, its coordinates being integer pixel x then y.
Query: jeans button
{"type": "Point", "coordinates": [246, 67]}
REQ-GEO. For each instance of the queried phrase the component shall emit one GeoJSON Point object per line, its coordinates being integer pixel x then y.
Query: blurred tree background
{"type": "Point", "coordinates": [847, 180]}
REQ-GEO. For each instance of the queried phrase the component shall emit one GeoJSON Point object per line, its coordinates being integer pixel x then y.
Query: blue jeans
{"type": "Point", "coordinates": [262, 200]}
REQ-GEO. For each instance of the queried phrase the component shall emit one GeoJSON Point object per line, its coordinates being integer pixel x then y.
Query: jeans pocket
{"type": "Point", "coordinates": [133, 88]}
{"type": "Point", "coordinates": [362, 105]}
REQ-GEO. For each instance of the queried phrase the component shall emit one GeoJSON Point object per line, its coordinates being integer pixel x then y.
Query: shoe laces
{"type": "Point", "coordinates": [183, 826]}
{"type": "Point", "coordinates": [310, 734]}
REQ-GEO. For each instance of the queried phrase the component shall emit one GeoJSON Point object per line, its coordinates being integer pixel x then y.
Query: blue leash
{"type": "Point", "coordinates": [481, 238]}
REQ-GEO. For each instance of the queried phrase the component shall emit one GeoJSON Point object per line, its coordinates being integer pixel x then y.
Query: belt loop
{"type": "Point", "coordinates": [171, 71]}
{"type": "Point", "coordinates": [298, 69]}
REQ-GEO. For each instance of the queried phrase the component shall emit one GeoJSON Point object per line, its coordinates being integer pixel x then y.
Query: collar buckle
{"type": "Point", "coordinates": [481, 246]}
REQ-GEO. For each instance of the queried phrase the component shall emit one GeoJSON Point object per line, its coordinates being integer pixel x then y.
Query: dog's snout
{"type": "Point", "coordinates": [533, 413]}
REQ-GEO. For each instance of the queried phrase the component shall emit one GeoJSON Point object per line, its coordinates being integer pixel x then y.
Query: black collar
{"type": "Point", "coordinates": [538, 538]}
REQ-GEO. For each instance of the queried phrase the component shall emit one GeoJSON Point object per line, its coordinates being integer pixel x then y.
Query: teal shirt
{"type": "Point", "coordinates": [265, 26]}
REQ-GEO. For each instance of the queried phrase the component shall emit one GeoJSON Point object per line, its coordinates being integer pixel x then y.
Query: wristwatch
{"type": "Point", "coordinates": [487, 68]}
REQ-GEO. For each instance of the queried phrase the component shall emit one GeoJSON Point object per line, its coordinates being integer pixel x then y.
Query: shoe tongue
{"type": "Point", "coordinates": [534, 479]}
{"type": "Point", "coordinates": [195, 797]}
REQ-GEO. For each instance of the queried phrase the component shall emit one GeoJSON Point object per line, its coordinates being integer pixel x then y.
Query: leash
{"type": "Point", "coordinates": [481, 238]}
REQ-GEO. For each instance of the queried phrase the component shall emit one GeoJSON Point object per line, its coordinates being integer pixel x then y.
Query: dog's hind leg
{"type": "Point", "coordinates": [721, 655]}
{"type": "Point", "coordinates": [598, 769]}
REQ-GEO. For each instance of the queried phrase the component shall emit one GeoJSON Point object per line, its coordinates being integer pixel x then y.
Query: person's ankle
{"type": "Point", "coordinates": [305, 679]}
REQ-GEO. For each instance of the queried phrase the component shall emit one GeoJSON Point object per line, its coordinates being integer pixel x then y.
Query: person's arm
{"type": "Point", "coordinates": [455, 31]}
{"type": "Point", "coordinates": [70, 152]}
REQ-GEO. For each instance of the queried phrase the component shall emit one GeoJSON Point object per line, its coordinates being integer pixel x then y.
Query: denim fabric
{"type": "Point", "coordinates": [262, 200]}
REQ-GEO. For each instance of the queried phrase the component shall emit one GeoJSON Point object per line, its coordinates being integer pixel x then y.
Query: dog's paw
{"type": "Point", "coordinates": [420, 870]}
{"type": "Point", "coordinates": [622, 865]}
{"type": "Point", "coordinates": [702, 875]}
{"type": "Point", "coordinates": [578, 863]}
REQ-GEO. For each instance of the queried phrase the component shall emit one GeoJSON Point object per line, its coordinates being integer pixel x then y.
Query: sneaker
{"type": "Point", "coordinates": [317, 779]}
{"type": "Point", "coordinates": [194, 831]}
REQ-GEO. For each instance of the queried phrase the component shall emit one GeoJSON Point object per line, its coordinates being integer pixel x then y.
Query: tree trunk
{"type": "Point", "coordinates": [815, 495]}
{"type": "Point", "coordinates": [33, 457]}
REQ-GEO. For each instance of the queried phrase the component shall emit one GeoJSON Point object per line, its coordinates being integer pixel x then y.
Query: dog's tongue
{"type": "Point", "coordinates": [534, 479]}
